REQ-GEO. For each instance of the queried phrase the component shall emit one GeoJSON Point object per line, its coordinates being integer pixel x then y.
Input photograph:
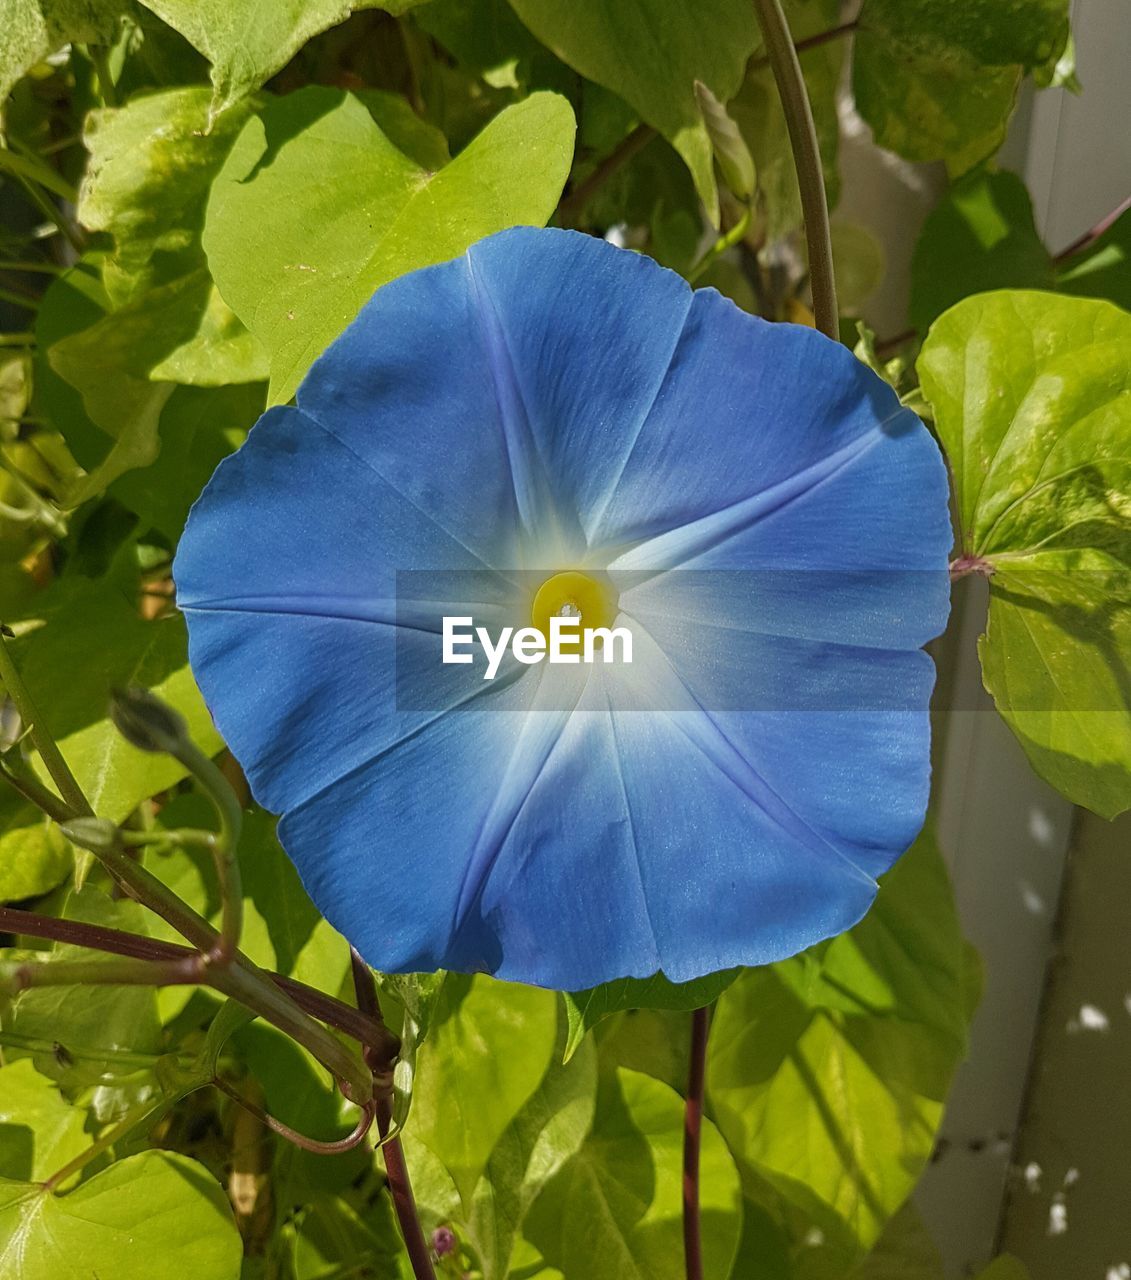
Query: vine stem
{"type": "Point", "coordinates": [396, 1169]}
{"type": "Point", "coordinates": [570, 208]}
{"type": "Point", "coordinates": [807, 157]}
{"type": "Point", "coordinates": [132, 1120]}
{"type": "Point", "coordinates": [692, 1129]}
{"type": "Point", "coordinates": [810, 42]}
{"type": "Point", "coordinates": [220, 966]}
{"type": "Point", "coordinates": [1093, 234]}
{"type": "Point", "coordinates": [44, 743]}
{"type": "Point", "coordinates": [374, 1035]}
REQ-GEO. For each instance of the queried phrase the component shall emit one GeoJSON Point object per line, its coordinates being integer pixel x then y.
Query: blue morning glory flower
{"type": "Point", "coordinates": [550, 427]}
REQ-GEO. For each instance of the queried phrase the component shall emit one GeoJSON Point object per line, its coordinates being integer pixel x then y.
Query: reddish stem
{"type": "Point", "coordinates": [965, 565]}
{"type": "Point", "coordinates": [692, 1128]}
{"type": "Point", "coordinates": [571, 207]}
{"type": "Point", "coordinates": [810, 42]}
{"type": "Point", "coordinates": [1090, 237]}
{"type": "Point", "coordinates": [374, 1036]}
{"type": "Point", "coordinates": [396, 1170]}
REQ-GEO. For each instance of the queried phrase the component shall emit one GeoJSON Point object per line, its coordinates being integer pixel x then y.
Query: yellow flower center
{"type": "Point", "coordinates": [573, 595]}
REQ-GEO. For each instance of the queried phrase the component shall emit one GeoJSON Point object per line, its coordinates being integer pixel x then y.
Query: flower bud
{"type": "Point", "coordinates": [146, 722]}
{"type": "Point", "coordinates": [96, 834]}
{"type": "Point", "coordinates": [443, 1241]}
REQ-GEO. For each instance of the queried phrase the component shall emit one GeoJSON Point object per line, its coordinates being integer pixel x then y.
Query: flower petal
{"type": "Point", "coordinates": [287, 575]}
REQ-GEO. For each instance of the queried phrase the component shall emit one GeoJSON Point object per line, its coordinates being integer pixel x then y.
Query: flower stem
{"type": "Point", "coordinates": [807, 158]}
{"type": "Point", "coordinates": [692, 1128]}
{"type": "Point", "coordinates": [396, 1170]}
{"type": "Point", "coordinates": [721, 245]}
{"type": "Point", "coordinates": [222, 847]}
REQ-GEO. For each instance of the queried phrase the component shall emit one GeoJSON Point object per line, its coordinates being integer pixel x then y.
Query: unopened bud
{"type": "Point", "coordinates": [736, 165]}
{"type": "Point", "coordinates": [443, 1242]}
{"type": "Point", "coordinates": [99, 835]}
{"type": "Point", "coordinates": [147, 722]}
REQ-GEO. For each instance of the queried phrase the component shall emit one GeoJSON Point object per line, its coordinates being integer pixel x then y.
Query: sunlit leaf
{"type": "Point", "coordinates": [349, 211]}
{"type": "Point", "coordinates": [614, 1211]}
{"type": "Point", "coordinates": [828, 1072]}
{"type": "Point", "coordinates": [146, 185]}
{"type": "Point", "coordinates": [1032, 400]}
{"type": "Point", "coordinates": [92, 634]}
{"type": "Point", "coordinates": [148, 1217]}
{"type": "Point", "coordinates": [40, 1131]}
{"type": "Point", "coordinates": [34, 857]}
{"type": "Point", "coordinates": [548, 1130]}
{"type": "Point", "coordinates": [939, 81]}
{"type": "Point", "coordinates": [487, 1051]}
{"type": "Point", "coordinates": [247, 41]}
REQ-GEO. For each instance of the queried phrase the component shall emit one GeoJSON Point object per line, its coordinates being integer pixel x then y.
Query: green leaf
{"type": "Point", "coordinates": [35, 29]}
{"type": "Point", "coordinates": [488, 40]}
{"type": "Point", "coordinates": [152, 164]}
{"type": "Point", "coordinates": [828, 1072]}
{"type": "Point", "coordinates": [585, 1009]}
{"type": "Point", "coordinates": [937, 81]}
{"type": "Point", "coordinates": [1104, 269]}
{"type": "Point", "coordinates": [199, 427]}
{"type": "Point", "coordinates": [333, 1237]}
{"type": "Point", "coordinates": [34, 857]}
{"type": "Point", "coordinates": [487, 1052]}
{"type": "Point", "coordinates": [247, 41]}
{"type": "Point", "coordinates": [651, 53]}
{"type": "Point", "coordinates": [758, 112]}
{"type": "Point", "coordinates": [348, 211]}
{"type": "Point", "coordinates": [981, 236]}
{"type": "Point", "coordinates": [151, 1215]}
{"type": "Point", "coordinates": [181, 327]}
{"type": "Point", "coordinates": [1031, 400]}
{"type": "Point", "coordinates": [545, 1133]}
{"type": "Point", "coordinates": [195, 427]}
{"type": "Point", "coordinates": [83, 641]}
{"type": "Point", "coordinates": [40, 1131]}
{"type": "Point", "coordinates": [732, 156]}
{"type": "Point", "coordinates": [615, 1209]}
